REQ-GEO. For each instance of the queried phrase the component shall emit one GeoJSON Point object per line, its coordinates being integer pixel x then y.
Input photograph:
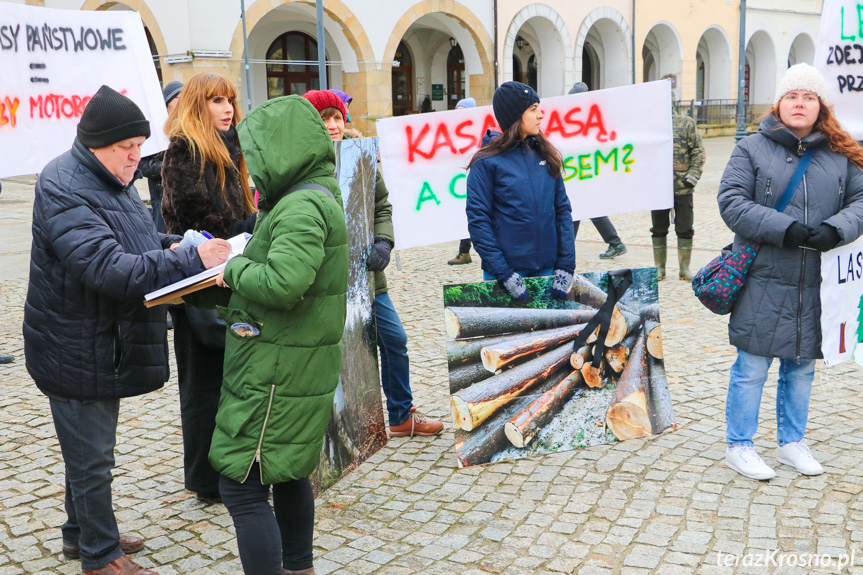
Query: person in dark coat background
{"type": "Point", "coordinates": [778, 311]}
{"type": "Point", "coordinates": [151, 166]}
{"type": "Point", "coordinates": [88, 339]}
{"type": "Point", "coordinates": [518, 213]}
{"type": "Point", "coordinates": [602, 224]}
{"type": "Point", "coordinates": [206, 188]}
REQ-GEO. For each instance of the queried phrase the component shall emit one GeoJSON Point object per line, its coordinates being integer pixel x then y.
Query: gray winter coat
{"type": "Point", "coordinates": [779, 309]}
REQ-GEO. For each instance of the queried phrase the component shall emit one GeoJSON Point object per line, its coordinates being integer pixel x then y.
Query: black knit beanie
{"type": "Point", "coordinates": [111, 117]}
{"type": "Point", "coordinates": [510, 102]}
{"type": "Point", "coordinates": [171, 91]}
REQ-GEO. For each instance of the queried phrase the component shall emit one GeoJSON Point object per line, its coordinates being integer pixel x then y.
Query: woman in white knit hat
{"type": "Point", "coordinates": [778, 312]}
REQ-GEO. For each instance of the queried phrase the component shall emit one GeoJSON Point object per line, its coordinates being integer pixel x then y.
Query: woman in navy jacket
{"type": "Point", "coordinates": [518, 214]}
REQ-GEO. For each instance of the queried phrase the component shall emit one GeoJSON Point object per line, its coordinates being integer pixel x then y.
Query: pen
{"type": "Point", "coordinates": [206, 234]}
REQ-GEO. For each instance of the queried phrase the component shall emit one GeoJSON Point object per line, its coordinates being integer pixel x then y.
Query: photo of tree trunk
{"type": "Point", "coordinates": [356, 429]}
{"type": "Point", "coordinates": [532, 379]}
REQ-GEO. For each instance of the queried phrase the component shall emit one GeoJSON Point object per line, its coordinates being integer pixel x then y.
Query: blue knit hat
{"type": "Point", "coordinates": [510, 102]}
{"type": "Point", "coordinates": [466, 103]}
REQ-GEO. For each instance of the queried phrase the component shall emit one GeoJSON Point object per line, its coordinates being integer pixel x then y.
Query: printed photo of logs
{"type": "Point", "coordinates": [520, 388]}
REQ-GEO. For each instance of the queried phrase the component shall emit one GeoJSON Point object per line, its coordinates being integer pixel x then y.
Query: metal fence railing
{"type": "Point", "coordinates": [714, 111]}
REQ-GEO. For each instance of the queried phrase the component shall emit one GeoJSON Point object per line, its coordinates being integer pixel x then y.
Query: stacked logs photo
{"type": "Point", "coordinates": [513, 371]}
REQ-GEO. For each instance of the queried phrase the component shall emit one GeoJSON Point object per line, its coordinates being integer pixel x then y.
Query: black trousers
{"type": "Point", "coordinates": [464, 246]}
{"type": "Point", "coordinates": [199, 372]}
{"type": "Point", "coordinates": [271, 538]}
{"type": "Point", "coordinates": [605, 228]}
{"type": "Point", "coordinates": [684, 218]}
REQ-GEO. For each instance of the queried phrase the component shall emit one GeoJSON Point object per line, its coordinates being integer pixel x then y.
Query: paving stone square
{"type": "Point", "coordinates": [665, 504]}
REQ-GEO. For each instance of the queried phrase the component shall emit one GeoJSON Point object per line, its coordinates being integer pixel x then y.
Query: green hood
{"type": "Point", "coordinates": [285, 144]}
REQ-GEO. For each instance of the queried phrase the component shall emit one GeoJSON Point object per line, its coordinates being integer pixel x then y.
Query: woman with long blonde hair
{"type": "Point", "coordinates": [778, 312]}
{"type": "Point", "coordinates": [206, 188]}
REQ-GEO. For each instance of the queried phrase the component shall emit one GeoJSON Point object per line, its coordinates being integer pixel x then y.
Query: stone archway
{"type": "Point", "coordinates": [139, 6]}
{"type": "Point", "coordinates": [802, 50]}
{"type": "Point", "coordinates": [609, 36]}
{"type": "Point", "coordinates": [342, 31]}
{"type": "Point", "coordinates": [713, 66]}
{"type": "Point", "coordinates": [549, 42]}
{"type": "Point", "coordinates": [467, 30]}
{"type": "Point", "coordinates": [662, 55]}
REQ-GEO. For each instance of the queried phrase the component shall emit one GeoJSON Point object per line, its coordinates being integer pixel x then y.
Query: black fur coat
{"type": "Point", "coordinates": [195, 201]}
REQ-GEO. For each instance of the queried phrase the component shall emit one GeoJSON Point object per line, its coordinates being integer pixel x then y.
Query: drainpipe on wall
{"type": "Point", "coordinates": [495, 45]}
{"type": "Point", "coordinates": [632, 32]}
{"type": "Point", "coordinates": [246, 52]}
{"type": "Point", "coordinates": [741, 75]}
{"type": "Point", "coordinates": [322, 47]}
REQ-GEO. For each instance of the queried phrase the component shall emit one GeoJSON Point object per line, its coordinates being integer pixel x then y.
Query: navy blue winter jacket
{"type": "Point", "coordinates": [518, 216]}
{"type": "Point", "coordinates": [95, 254]}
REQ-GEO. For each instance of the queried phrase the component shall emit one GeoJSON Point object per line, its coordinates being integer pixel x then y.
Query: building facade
{"type": "Point", "coordinates": [394, 56]}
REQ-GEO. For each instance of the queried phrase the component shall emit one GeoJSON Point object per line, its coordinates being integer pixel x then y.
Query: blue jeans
{"type": "Point", "coordinates": [87, 432]}
{"type": "Point", "coordinates": [395, 365]}
{"type": "Point", "coordinates": [523, 273]}
{"type": "Point", "coordinates": [748, 375]}
{"type": "Point", "coordinates": [270, 538]}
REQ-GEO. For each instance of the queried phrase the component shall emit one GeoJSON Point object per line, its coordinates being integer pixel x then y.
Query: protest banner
{"type": "Point", "coordinates": [518, 385]}
{"type": "Point", "coordinates": [51, 63]}
{"type": "Point", "coordinates": [839, 57]}
{"type": "Point", "coordinates": [617, 158]}
{"type": "Point", "coordinates": [842, 304]}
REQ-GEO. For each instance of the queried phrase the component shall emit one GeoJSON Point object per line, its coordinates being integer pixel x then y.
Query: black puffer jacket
{"type": "Point", "coordinates": [95, 255]}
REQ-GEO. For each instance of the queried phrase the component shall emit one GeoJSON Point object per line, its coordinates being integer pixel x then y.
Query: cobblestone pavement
{"type": "Point", "coordinates": [665, 504]}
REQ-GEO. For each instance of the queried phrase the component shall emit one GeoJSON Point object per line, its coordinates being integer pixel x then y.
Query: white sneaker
{"type": "Point", "coordinates": [745, 460]}
{"type": "Point", "coordinates": [798, 455]}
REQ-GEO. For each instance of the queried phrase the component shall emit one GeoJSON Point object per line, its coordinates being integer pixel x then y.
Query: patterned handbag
{"type": "Point", "coordinates": [718, 284]}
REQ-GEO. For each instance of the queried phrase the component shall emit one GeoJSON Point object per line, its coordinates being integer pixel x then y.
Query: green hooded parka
{"type": "Point", "coordinates": [290, 285]}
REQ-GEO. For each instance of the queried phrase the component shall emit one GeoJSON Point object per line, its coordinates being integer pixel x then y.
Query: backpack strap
{"type": "Point", "coordinates": [309, 186]}
{"type": "Point", "coordinates": [795, 180]}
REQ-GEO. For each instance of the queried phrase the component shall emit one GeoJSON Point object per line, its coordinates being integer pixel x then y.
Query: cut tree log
{"type": "Point", "coordinates": [522, 428]}
{"type": "Point", "coordinates": [622, 324]}
{"type": "Point", "coordinates": [592, 375]}
{"type": "Point", "coordinates": [496, 356]}
{"type": "Point", "coordinates": [473, 405]}
{"type": "Point", "coordinates": [587, 292]}
{"type": "Point", "coordinates": [659, 400]}
{"type": "Point", "coordinates": [653, 332]}
{"type": "Point", "coordinates": [464, 351]}
{"type": "Point", "coordinates": [464, 322]}
{"type": "Point", "coordinates": [617, 356]}
{"type": "Point", "coordinates": [466, 375]}
{"type": "Point", "coordinates": [578, 358]}
{"type": "Point", "coordinates": [481, 444]}
{"type": "Point", "coordinates": [650, 312]}
{"type": "Point", "coordinates": [627, 415]}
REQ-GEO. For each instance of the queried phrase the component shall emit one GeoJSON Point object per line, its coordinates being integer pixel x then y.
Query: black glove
{"type": "Point", "coordinates": [515, 286]}
{"type": "Point", "coordinates": [379, 256]}
{"type": "Point", "coordinates": [796, 235]}
{"type": "Point", "coordinates": [689, 182]}
{"type": "Point", "coordinates": [824, 238]}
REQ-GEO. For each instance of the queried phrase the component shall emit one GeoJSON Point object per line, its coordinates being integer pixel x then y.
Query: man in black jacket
{"type": "Point", "coordinates": [88, 338]}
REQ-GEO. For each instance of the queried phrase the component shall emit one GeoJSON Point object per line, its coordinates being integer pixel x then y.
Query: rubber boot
{"type": "Point", "coordinates": [684, 254]}
{"type": "Point", "coordinates": [660, 252]}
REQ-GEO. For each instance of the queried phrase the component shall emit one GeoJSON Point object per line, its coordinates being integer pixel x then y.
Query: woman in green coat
{"type": "Point", "coordinates": [283, 354]}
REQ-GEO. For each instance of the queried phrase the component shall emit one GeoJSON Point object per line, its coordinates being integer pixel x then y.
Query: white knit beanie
{"type": "Point", "coordinates": [802, 77]}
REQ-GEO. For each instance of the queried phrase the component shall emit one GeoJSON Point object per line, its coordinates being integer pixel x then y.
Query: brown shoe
{"type": "Point", "coordinates": [416, 424]}
{"type": "Point", "coordinates": [460, 259]}
{"type": "Point", "coordinates": [128, 544]}
{"type": "Point", "coordinates": [122, 566]}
